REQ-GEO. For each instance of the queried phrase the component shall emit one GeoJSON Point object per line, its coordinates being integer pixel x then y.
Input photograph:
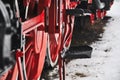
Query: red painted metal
{"type": "Point", "coordinates": [98, 14]}
{"type": "Point", "coordinates": [34, 58]}
{"type": "Point", "coordinates": [54, 34]}
{"type": "Point", "coordinates": [36, 40]}
{"type": "Point", "coordinates": [92, 18]}
{"type": "Point", "coordinates": [19, 54]}
{"type": "Point", "coordinates": [104, 12]}
{"type": "Point", "coordinates": [49, 28]}
{"type": "Point", "coordinates": [90, 1]}
{"type": "Point", "coordinates": [13, 73]}
{"type": "Point", "coordinates": [60, 30]}
{"type": "Point", "coordinates": [68, 31]}
{"type": "Point", "coordinates": [35, 50]}
{"type": "Point", "coordinates": [45, 3]}
{"type": "Point", "coordinates": [61, 63]}
{"type": "Point", "coordinates": [33, 23]}
{"type": "Point", "coordinates": [67, 37]}
{"type": "Point", "coordinates": [69, 24]}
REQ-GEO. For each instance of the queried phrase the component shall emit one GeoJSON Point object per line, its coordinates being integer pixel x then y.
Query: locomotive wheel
{"type": "Point", "coordinates": [68, 32]}
{"type": "Point", "coordinates": [66, 45]}
{"type": "Point", "coordinates": [35, 50]}
{"type": "Point", "coordinates": [54, 42]}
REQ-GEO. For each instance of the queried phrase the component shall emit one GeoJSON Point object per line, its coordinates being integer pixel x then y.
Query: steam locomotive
{"type": "Point", "coordinates": [38, 32]}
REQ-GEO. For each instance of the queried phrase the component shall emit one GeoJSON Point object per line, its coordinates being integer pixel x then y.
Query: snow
{"type": "Point", "coordinates": [105, 61]}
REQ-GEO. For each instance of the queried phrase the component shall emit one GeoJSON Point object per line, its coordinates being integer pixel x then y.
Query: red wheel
{"type": "Point", "coordinates": [54, 42]}
{"type": "Point", "coordinates": [69, 32]}
{"type": "Point", "coordinates": [69, 24]}
{"type": "Point", "coordinates": [35, 51]}
{"type": "Point", "coordinates": [33, 58]}
{"type": "Point", "coordinates": [58, 41]}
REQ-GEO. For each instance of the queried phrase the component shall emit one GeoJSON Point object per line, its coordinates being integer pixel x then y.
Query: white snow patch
{"type": "Point", "coordinates": [105, 61]}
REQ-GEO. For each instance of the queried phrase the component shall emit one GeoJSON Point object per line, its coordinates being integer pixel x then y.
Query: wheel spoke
{"type": "Point", "coordinates": [28, 66]}
{"type": "Point", "coordinates": [35, 49]}
{"type": "Point", "coordinates": [28, 57]}
{"type": "Point", "coordinates": [28, 46]}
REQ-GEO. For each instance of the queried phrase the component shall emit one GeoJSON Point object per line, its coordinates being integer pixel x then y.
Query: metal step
{"type": "Point", "coordinates": [78, 52]}
{"type": "Point", "coordinates": [78, 12]}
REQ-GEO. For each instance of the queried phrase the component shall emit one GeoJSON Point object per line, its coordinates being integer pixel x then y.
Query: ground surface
{"type": "Point", "coordinates": [104, 37]}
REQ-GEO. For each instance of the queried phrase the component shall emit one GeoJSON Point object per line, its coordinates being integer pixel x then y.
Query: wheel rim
{"type": "Point", "coordinates": [68, 32]}
{"type": "Point", "coordinates": [35, 50]}
{"type": "Point", "coordinates": [38, 40]}
{"type": "Point", "coordinates": [69, 24]}
{"type": "Point", "coordinates": [54, 41]}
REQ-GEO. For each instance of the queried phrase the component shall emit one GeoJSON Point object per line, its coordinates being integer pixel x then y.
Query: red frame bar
{"type": "Point", "coordinates": [33, 23]}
